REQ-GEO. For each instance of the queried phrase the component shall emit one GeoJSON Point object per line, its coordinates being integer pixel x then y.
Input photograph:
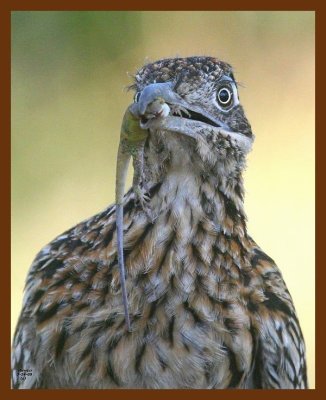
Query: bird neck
{"type": "Point", "coordinates": [189, 199]}
{"type": "Point", "coordinates": [191, 194]}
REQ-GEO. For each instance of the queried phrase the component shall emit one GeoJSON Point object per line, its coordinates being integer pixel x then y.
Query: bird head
{"type": "Point", "coordinates": [200, 89]}
{"type": "Point", "coordinates": [205, 85]}
{"type": "Point", "coordinates": [201, 125]}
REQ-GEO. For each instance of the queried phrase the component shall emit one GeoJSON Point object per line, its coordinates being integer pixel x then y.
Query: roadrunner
{"type": "Point", "coordinates": [207, 307]}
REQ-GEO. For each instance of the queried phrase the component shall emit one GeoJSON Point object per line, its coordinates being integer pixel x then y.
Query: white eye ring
{"type": "Point", "coordinates": [227, 101]}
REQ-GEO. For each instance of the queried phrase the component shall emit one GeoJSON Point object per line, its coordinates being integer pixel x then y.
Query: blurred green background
{"type": "Point", "coordinates": [69, 73]}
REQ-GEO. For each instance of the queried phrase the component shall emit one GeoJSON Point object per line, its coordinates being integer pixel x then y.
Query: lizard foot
{"type": "Point", "coordinates": [143, 199]}
{"type": "Point", "coordinates": [179, 110]}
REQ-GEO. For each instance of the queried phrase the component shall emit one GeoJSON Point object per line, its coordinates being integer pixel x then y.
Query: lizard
{"type": "Point", "coordinates": [131, 145]}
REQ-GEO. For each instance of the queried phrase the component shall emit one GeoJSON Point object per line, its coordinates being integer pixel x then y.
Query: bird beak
{"type": "Point", "coordinates": [190, 124]}
{"type": "Point", "coordinates": [166, 92]}
{"type": "Point", "coordinates": [159, 90]}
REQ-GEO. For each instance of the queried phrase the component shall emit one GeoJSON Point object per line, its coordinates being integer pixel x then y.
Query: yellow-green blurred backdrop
{"type": "Point", "coordinates": [69, 71]}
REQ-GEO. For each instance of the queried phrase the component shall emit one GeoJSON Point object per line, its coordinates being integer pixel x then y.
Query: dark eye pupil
{"type": "Point", "coordinates": [224, 96]}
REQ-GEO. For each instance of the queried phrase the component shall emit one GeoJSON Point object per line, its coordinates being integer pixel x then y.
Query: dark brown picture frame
{"type": "Point", "coordinates": [20, 5]}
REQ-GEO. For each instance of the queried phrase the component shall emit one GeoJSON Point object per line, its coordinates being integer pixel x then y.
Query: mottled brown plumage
{"type": "Point", "coordinates": [208, 308]}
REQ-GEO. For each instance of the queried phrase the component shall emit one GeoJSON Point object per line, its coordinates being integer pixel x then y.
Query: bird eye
{"type": "Point", "coordinates": [136, 97]}
{"type": "Point", "coordinates": [224, 96]}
